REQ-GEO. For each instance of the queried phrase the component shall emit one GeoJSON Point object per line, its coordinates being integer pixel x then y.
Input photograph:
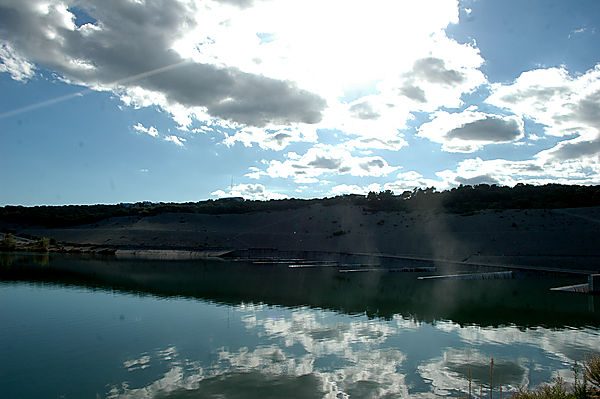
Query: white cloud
{"type": "Point", "coordinates": [407, 181]}
{"type": "Point", "coordinates": [249, 191]}
{"type": "Point", "coordinates": [566, 105]}
{"type": "Point", "coordinates": [578, 31]}
{"type": "Point", "coordinates": [151, 131]}
{"type": "Point", "coordinates": [324, 160]}
{"type": "Point", "coordinates": [342, 189]}
{"type": "Point", "coordinates": [504, 172]}
{"type": "Point", "coordinates": [428, 81]}
{"type": "Point", "coordinates": [271, 139]}
{"type": "Point", "coordinates": [372, 121]}
{"type": "Point", "coordinates": [131, 47]}
{"type": "Point", "coordinates": [176, 140]}
{"type": "Point", "coordinates": [254, 67]}
{"type": "Point", "coordinates": [374, 143]}
{"type": "Point", "coordinates": [469, 130]}
{"type": "Point", "coordinates": [333, 55]}
{"type": "Point", "coordinates": [434, 81]}
{"type": "Point", "coordinates": [14, 64]}
{"type": "Point", "coordinates": [578, 149]}
{"type": "Point", "coordinates": [438, 78]}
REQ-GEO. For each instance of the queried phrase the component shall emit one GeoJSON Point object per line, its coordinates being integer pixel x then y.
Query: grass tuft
{"type": "Point", "coordinates": [586, 384]}
{"type": "Point", "coordinates": [591, 369]}
{"type": "Point", "coordinates": [586, 387]}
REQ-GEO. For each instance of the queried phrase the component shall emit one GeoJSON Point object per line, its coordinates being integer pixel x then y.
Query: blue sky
{"type": "Point", "coordinates": [126, 101]}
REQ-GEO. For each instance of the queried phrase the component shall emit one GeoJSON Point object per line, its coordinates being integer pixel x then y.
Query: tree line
{"type": "Point", "coordinates": [463, 199]}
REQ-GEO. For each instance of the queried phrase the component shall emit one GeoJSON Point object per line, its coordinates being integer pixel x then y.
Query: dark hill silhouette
{"type": "Point", "coordinates": [463, 200]}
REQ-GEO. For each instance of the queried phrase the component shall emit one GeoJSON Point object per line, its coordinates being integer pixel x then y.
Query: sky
{"type": "Point", "coordinates": [186, 100]}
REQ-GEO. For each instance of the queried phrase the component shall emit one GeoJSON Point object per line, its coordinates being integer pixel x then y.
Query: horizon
{"type": "Point", "coordinates": [125, 102]}
{"type": "Point", "coordinates": [363, 195]}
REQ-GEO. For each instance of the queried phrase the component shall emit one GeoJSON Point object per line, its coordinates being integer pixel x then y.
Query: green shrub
{"type": "Point", "coordinates": [557, 390]}
{"type": "Point", "coordinates": [43, 244]}
{"type": "Point", "coordinates": [8, 242]}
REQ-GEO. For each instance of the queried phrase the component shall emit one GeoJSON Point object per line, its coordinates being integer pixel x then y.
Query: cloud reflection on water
{"type": "Point", "coordinates": [450, 372]}
{"type": "Point", "coordinates": [565, 344]}
{"type": "Point", "coordinates": [137, 364]}
{"type": "Point", "coordinates": [328, 355]}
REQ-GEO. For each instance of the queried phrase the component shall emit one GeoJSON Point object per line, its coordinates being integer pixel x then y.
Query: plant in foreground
{"type": "Point", "coordinates": [586, 384]}
{"type": "Point", "coordinates": [557, 390]}
{"type": "Point", "coordinates": [591, 369]}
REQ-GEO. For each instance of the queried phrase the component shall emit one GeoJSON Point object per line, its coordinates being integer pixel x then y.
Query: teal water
{"type": "Point", "coordinates": [77, 327]}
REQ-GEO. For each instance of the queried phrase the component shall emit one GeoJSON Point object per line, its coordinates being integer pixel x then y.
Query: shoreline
{"type": "Point", "coordinates": [533, 239]}
{"type": "Point", "coordinates": [317, 258]}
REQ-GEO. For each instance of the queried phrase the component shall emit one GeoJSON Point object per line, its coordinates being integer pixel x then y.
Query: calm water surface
{"type": "Point", "coordinates": [100, 328]}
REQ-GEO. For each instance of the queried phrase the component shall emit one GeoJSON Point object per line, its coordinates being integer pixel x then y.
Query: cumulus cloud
{"type": "Point", "coordinates": [209, 61]}
{"type": "Point", "coordinates": [438, 80]}
{"type": "Point", "coordinates": [564, 104]}
{"type": "Point", "coordinates": [469, 130]}
{"type": "Point", "coordinates": [364, 110]}
{"type": "Point", "coordinates": [412, 92]}
{"type": "Point", "coordinates": [573, 150]}
{"type": "Point", "coordinates": [370, 122]}
{"type": "Point", "coordinates": [434, 70]}
{"type": "Point", "coordinates": [324, 160]}
{"type": "Point", "coordinates": [508, 173]}
{"type": "Point", "coordinates": [131, 46]}
{"type": "Point", "coordinates": [249, 191]}
{"type": "Point", "coordinates": [305, 55]}
{"type": "Point", "coordinates": [423, 85]}
{"type": "Point", "coordinates": [490, 128]}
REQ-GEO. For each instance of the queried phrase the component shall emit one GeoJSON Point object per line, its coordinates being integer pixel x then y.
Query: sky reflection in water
{"type": "Point", "coordinates": [76, 342]}
{"type": "Point", "coordinates": [338, 356]}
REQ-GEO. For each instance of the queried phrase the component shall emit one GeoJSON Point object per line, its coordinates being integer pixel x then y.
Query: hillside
{"type": "Point", "coordinates": [544, 237]}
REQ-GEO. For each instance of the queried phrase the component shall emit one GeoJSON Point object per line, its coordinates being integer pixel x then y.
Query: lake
{"type": "Point", "coordinates": [94, 327]}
